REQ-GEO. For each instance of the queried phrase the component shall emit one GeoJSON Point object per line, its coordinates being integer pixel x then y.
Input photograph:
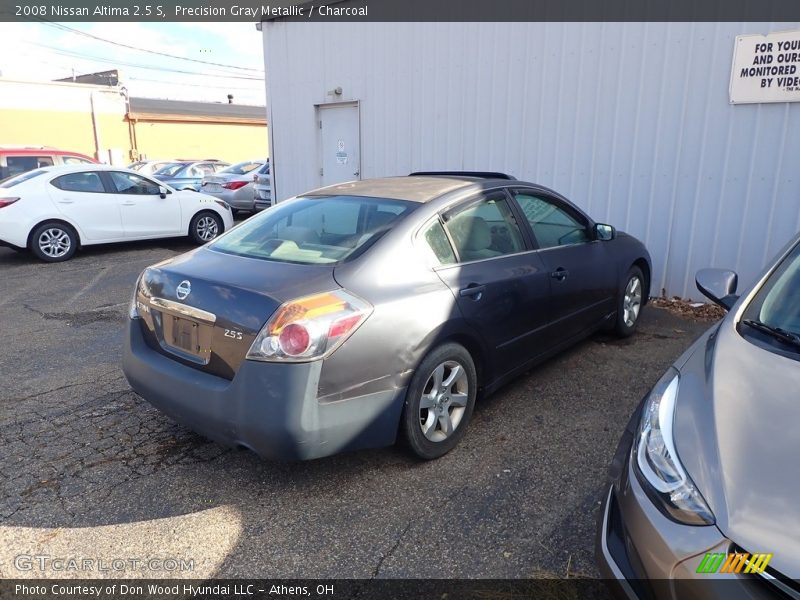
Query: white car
{"type": "Point", "coordinates": [54, 210]}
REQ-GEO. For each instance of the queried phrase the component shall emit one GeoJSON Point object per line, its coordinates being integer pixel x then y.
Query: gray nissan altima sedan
{"type": "Point", "coordinates": [334, 320]}
{"type": "Point", "coordinates": [705, 499]}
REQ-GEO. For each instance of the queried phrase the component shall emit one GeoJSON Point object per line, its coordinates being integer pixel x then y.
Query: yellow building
{"type": "Point", "coordinates": [101, 121]}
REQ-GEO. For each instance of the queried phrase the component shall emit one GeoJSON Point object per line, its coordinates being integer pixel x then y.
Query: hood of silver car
{"type": "Point", "coordinates": [737, 432]}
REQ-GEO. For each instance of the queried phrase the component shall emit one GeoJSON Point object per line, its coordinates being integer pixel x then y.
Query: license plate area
{"type": "Point", "coordinates": [187, 338]}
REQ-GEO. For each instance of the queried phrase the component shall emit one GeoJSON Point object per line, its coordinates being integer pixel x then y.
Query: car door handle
{"type": "Point", "coordinates": [129, 203]}
{"type": "Point", "coordinates": [66, 201]}
{"type": "Point", "coordinates": [560, 273]}
{"type": "Point", "coordinates": [473, 290]}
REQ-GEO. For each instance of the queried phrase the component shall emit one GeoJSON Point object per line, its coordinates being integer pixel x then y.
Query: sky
{"type": "Point", "coordinates": [46, 51]}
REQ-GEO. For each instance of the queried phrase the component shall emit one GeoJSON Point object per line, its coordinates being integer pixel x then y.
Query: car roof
{"type": "Point", "coordinates": [39, 150]}
{"type": "Point", "coordinates": [418, 188]}
{"type": "Point", "coordinates": [60, 169]}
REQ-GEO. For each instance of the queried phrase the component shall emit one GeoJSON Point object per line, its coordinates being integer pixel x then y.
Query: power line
{"type": "Point", "coordinates": [121, 45]}
{"type": "Point", "coordinates": [90, 57]}
{"type": "Point", "coordinates": [200, 85]}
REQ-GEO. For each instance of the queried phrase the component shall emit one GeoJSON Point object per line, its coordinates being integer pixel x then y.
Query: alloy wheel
{"type": "Point", "coordinates": [207, 228]}
{"type": "Point", "coordinates": [444, 400]}
{"type": "Point", "coordinates": [632, 301]}
{"type": "Point", "coordinates": [54, 242]}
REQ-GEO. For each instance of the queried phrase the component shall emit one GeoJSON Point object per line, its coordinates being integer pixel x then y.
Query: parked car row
{"type": "Point", "coordinates": [52, 211]}
{"type": "Point", "coordinates": [360, 313]}
{"type": "Point", "coordinates": [244, 185]}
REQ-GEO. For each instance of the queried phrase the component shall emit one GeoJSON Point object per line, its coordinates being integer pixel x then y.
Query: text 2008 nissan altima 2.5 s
{"type": "Point", "coordinates": [340, 318]}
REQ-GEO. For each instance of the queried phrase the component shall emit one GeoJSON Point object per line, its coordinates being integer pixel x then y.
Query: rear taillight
{"type": "Point", "coordinates": [234, 185]}
{"type": "Point", "coordinates": [7, 201]}
{"type": "Point", "coordinates": [310, 328]}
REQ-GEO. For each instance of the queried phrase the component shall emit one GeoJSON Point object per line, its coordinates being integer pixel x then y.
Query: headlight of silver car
{"type": "Point", "coordinates": [656, 459]}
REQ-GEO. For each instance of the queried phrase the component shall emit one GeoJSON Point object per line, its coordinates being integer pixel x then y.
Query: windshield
{"type": "Point", "coordinates": [777, 303]}
{"type": "Point", "coordinates": [243, 168]}
{"type": "Point", "coordinates": [12, 181]}
{"type": "Point", "coordinates": [314, 230]}
{"type": "Point", "coordinates": [172, 169]}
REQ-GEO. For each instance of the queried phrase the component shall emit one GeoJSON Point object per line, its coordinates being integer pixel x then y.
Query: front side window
{"type": "Point", "coordinates": [21, 164]}
{"type": "Point", "coordinates": [777, 305]}
{"type": "Point", "coordinates": [552, 225]}
{"type": "Point", "coordinates": [485, 229]}
{"type": "Point", "coordinates": [128, 183]}
{"type": "Point", "coordinates": [315, 229]}
{"type": "Point", "coordinates": [80, 182]}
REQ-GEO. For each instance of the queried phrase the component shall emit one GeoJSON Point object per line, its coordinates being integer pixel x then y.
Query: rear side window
{"type": "Point", "coordinates": [314, 230]}
{"type": "Point", "coordinates": [437, 241]}
{"type": "Point", "coordinates": [79, 182]}
{"type": "Point", "coordinates": [485, 229]}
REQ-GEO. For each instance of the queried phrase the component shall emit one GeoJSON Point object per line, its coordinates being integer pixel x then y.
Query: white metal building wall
{"type": "Point", "coordinates": [631, 121]}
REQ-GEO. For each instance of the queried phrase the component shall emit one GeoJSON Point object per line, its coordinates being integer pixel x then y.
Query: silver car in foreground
{"type": "Point", "coordinates": [234, 185]}
{"type": "Point", "coordinates": [704, 499]}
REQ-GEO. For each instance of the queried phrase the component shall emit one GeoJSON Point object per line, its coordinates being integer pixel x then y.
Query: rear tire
{"type": "Point", "coordinates": [54, 242]}
{"type": "Point", "coordinates": [205, 226]}
{"type": "Point", "coordinates": [439, 401]}
{"type": "Point", "coordinates": [630, 302]}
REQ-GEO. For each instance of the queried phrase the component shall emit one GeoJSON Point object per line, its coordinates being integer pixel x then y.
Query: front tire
{"type": "Point", "coordinates": [440, 401]}
{"type": "Point", "coordinates": [630, 302]}
{"type": "Point", "coordinates": [205, 226]}
{"type": "Point", "coordinates": [54, 242]}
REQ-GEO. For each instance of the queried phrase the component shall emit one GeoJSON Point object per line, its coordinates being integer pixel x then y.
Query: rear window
{"type": "Point", "coordinates": [12, 181]}
{"type": "Point", "coordinates": [171, 169]}
{"type": "Point", "coordinates": [314, 230]}
{"type": "Point", "coordinates": [242, 168]}
{"type": "Point", "coordinates": [76, 160]}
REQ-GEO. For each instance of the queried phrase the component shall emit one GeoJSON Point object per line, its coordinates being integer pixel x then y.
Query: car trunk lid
{"type": "Point", "coordinates": [205, 308]}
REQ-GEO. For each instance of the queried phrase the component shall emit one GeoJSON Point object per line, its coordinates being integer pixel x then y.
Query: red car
{"type": "Point", "coordinates": [19, 159]}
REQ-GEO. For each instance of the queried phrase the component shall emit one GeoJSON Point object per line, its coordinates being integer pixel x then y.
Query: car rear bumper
{"type": "Point", "coordinates": [235, 198]}
{"type": "Point", "coordinates": [271, 408]}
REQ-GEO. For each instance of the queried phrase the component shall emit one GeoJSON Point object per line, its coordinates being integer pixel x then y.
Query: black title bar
{"type": "Point", "coordinates": [400, 10]}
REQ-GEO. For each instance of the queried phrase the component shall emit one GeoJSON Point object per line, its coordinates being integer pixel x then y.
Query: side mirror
{"type": "Point", "coordinates": [162, 191]}
{"type": "Point", "coordinates": [604, 232]}
{"type": "Point", "coordinates": [718, 285]}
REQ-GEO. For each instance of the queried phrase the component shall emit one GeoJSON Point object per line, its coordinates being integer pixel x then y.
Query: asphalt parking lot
{"type": "Point", "coordinates": [88, 469]}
